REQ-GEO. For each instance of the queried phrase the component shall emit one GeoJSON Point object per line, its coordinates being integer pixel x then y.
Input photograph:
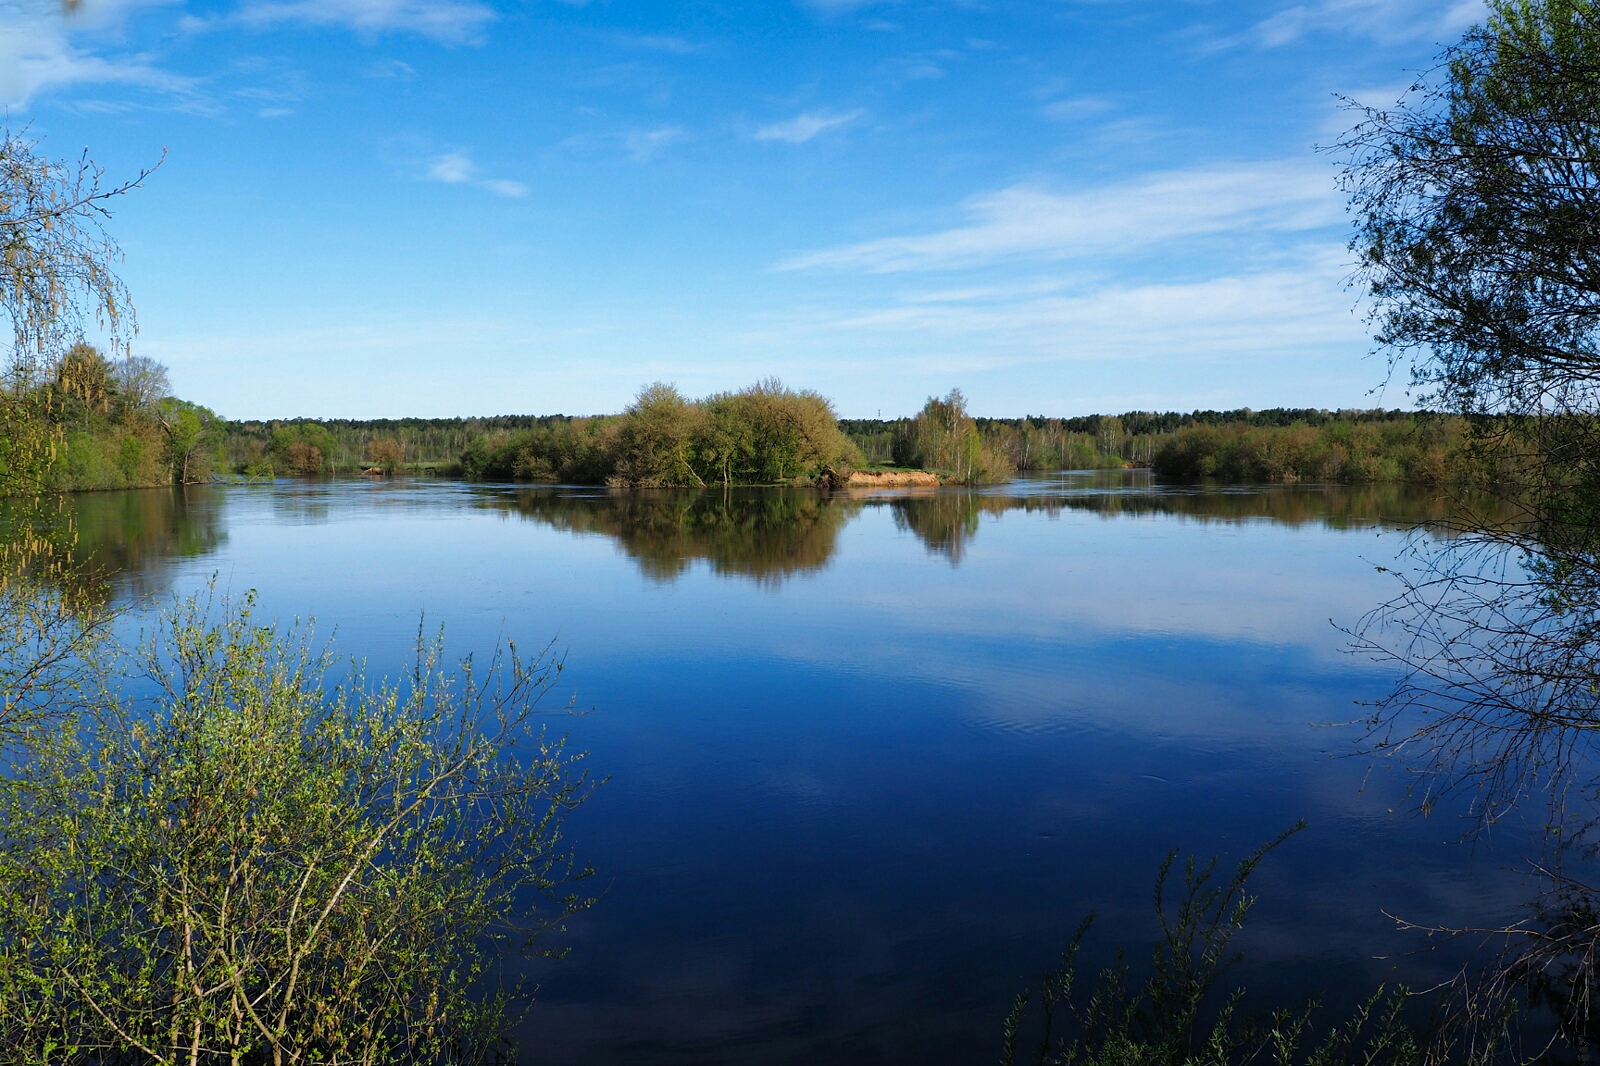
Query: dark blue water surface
{"type": "Point", "coordinates": [872, 759]}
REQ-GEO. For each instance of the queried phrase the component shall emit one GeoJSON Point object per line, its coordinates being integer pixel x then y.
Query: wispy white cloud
{"type": "Point", "coordinates": [1079, 108]}
{"type": "Point", "coordinates": [1029, 221]}
{"type": "Point", "coordinates": [44, 48]}
{"type": "Point", "coordinates": [843, 7]}
{"type": "Point", "coordinates": [452, 168]}
{"type": "Point", "coordinates": [505, 187]}
{"type": "Point", "coordinates": [922, 66]}
{"type": "Point", "coordinates": [391, 69]}
{"type": "Point", "coordinates": [658, 42]}
{"type": "Point", "coordinates": [643, 145]}
{"type": "Point", "coordinates": [1245, 333]}
{"type": "Point", "coordinates": [804, 127]}
{"type": "Point", "coordinates": [1295, 306]}
{"type": "Point", "coordinates": [1383, 20]}
{"type": "Point", "coordinates": [40, 51]}
{"type": "Point", "coordinates": [457, 168]}
{"type": "Point", "coordinates": [640, 144]}
{"type": "Point", "coordinates": [446, 21]}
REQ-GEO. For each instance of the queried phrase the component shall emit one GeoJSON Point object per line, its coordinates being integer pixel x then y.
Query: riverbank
{"type": "Point", "coordinates": [884, 479]}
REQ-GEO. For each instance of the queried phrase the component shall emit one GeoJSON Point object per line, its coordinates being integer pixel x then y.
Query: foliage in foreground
{"type": "Point", "coordinates": [1181, 1015]}
{"type": "Point", "coordinates": [254, 866]}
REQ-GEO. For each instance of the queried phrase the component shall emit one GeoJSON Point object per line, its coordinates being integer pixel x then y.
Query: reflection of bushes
{"type": "Point", "coordinates": [1390, 505]}
{"type": "Point", "coordinates": [945, 521]}
{"type": "Point", "coordinates": [89, 541]}
{"type": "Point", "coordinates": [767, 535]}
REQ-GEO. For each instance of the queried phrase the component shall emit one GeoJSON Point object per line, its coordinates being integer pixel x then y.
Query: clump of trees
{"type": "Point", "coordinates": [763, 434]}
{"type": "Point", "coordinates": [1278, 444]}
{"type": "Point", "coordinates": [943, 437]}
{"type": "Point", "coordinates": [97, 423]}
{"type": "Point", "coordinates": [301, 449]}
{"type": "Point", "coordinates": [72, 416]}
{"type": "Point", "coordinates": [574, 450]}
{"type": "Point", "coordinates": [735, 438]}
{"type": "Point", "coordinates": [426, 445]}
{"type": "Point", "coordinates": [386, 454]}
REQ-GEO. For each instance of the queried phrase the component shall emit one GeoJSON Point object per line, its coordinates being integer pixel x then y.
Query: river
{"type": "Point", "coordinates": [870, 760]}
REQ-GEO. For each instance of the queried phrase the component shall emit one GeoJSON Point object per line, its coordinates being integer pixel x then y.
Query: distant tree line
{"type": "Point", "coordinates": [1420, 449]}
{"type": "Point", "coordinates": [770, 434]}
{"type": "Point", "coordinates": [262, 447]}
{"type": "Point", "coordinates": [1281, 444]}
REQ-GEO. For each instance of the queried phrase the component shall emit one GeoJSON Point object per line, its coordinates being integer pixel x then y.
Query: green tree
{"type": "Point", "coordinates": [1477, 206]}
{"type": "Point", "coordinates": [654, 438]}
{"type": "Point", "coordinates": [301, 449]}
{"type": "Point", "coordinates": [190, 431]}
{"type": "Point", "coordinates": [1477, 203]}
{"type": "Point", "coordinates": [767, 433]}
{"type": "Point", "coordinates": [57, 262]}
{"type": "Point", "coordinates": [944, 437]}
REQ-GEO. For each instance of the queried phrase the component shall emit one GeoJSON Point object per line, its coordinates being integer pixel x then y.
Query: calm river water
{"type": "Point", "coordinates": [871, 760]}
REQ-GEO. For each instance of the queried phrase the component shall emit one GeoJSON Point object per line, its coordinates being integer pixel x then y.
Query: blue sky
{"type": "Point", "coordinates": [376, 208]}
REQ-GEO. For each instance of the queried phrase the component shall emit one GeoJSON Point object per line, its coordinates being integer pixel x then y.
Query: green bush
{"type": "Point", "coordinates": [764, 434]}
{"type": "Point", "coordinates": [263, 863]}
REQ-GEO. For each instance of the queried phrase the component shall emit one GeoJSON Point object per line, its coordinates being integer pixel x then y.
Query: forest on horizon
{"type": "Point", "coordinates": [120, 427]}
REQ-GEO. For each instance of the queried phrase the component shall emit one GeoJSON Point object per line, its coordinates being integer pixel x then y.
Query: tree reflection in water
{"type": "Point", "coordinates": [96, 544]}
{"type": "Point", "coordinates": [1496, 637]}
{"type": "Point", "coordinates": [764, 534]}
{"type": "Point", "coordinates": [770, 534]}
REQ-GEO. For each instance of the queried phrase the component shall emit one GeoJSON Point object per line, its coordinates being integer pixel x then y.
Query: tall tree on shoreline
{"type": "Point", "coordinates": [58, 267]}
{"type": "Point", "coordinates": [1477, 207]}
